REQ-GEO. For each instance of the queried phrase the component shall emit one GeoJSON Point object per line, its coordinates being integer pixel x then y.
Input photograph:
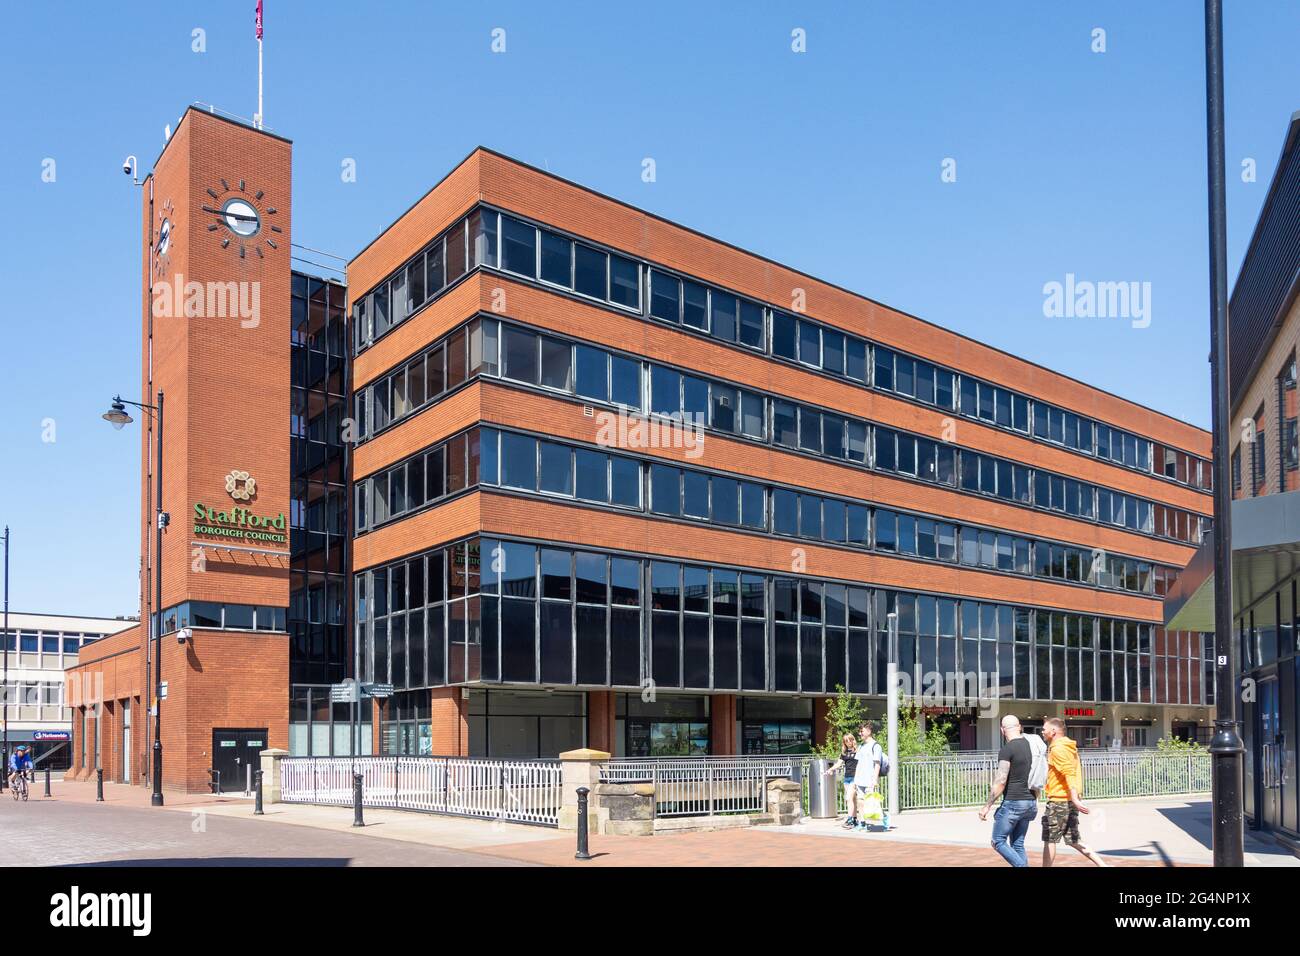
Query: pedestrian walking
{"type": "Point", "coordinates": [849, 763]}
{"type": "Point", "coordinates": [1016, 762]}
{"type": "Point", "coordinates": [1064, 794]}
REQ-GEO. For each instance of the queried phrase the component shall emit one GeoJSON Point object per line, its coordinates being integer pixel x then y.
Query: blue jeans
{"type": "Point", "coordinates": [1010, 824]}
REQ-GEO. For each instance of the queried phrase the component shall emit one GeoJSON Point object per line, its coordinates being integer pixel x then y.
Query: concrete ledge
{"type": "Point", "coordinates": [686, 824]}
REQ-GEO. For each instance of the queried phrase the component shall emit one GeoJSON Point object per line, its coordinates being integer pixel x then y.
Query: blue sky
{"type": "Point", "coordinates": [1067, 161]}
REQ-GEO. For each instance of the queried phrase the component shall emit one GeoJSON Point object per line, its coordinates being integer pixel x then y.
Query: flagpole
{"type": "Point", "coordinates": [260, 120]}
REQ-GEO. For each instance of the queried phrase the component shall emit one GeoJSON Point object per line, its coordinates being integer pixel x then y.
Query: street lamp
{"type": "Point", "coordinates": [4, 690]}
{"type": "Point", "coordinates": [891, 714]}
{"type": "Point", "coordinates": [1226, 750]}
{"type": "Point", "coordinates": [117, 417]}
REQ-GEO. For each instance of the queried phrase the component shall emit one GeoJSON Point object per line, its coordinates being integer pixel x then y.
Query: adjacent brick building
{"type": "Point", "coordinates": [1264, 332]}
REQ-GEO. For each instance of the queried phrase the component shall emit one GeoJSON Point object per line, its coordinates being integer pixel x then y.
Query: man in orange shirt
{"type": "Point", "coordinates": [1064, 794]}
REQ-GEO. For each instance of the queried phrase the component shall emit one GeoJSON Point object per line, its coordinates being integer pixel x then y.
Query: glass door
{"type": "Point", "coordinates": [1270, 754]}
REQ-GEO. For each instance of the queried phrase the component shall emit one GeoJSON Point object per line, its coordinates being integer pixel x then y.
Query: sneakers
{"type": "Point", "coordinates": [850, 823]}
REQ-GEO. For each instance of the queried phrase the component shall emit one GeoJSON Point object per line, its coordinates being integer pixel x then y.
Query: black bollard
{"type": "Point", "coordinates": [356, 801]}
{"type": "Point", "coordinates": [257, 806]}
{"type": "Point", "coordinates": [47, 780]}
{"type": "Point", "coordinates": [99, 784]}
{"type": "Point", "coordinates": [582, 853]}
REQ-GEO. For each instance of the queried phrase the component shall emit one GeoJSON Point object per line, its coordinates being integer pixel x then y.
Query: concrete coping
{"type": "Point", "coordinates": [273, 752]}
{"type": "Point", "coordinates": [626, 789]}
{"type": "Point", "coordinates": [585, 753]}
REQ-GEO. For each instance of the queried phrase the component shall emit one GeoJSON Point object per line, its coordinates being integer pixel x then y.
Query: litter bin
{"type": "Point", "coordinates": [821, 790]}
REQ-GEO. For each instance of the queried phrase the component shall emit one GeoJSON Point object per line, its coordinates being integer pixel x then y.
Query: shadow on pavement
{"type": "Point", "coordinates": [1194, 820]}
{"type": "Point", "coordinates": [251, 861]}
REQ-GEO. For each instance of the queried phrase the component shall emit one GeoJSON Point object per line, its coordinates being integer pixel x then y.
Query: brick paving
{"type": "Point", "coordinates": [754, 847]}
{"type": "Point", "coordinates": [121, 829]}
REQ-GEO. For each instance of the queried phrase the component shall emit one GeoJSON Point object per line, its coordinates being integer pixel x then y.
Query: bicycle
{"type": "Point", "coordinates": [20, 786]}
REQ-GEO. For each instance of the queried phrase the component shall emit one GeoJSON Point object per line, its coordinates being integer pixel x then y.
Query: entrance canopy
{"type": "Point", "coordinates": [1265, 552]}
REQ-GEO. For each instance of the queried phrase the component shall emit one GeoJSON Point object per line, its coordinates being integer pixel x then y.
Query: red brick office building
{"type": "Point", "coordinates": [602, 480]}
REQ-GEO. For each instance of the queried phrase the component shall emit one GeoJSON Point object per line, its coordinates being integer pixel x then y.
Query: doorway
{"type": "Point", "coordinates": [234, 752]}
{"type": "Point", "coordinates": [1271, 739]}
{"type": "Point", "coordinates": [126, 741]}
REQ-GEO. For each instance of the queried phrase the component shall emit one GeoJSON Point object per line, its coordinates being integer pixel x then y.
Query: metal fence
{"type": "Point", "coordinates": [519, 791]}
{"type": "Point", "coordinates": [964, 779]}
{"type": "Point", "coordinates": [702, 786]}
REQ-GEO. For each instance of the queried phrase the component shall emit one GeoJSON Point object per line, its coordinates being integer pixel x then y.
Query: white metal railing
{"type": "Point", "coordinates": [525, 791]}
{"type": "Point", "coordinates": [963, 779]}
{"type": "Point", "coordinates": [691, 785]}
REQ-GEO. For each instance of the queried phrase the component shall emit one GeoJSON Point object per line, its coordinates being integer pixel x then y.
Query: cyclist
{"type": "Point", "coordinates": [20, 761]}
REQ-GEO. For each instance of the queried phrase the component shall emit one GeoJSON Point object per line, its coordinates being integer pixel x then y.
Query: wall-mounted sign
{"type": "Point", "coordinates": [239, 523]}
{"type": "Point", "coordinates": [51, 735]}
{"type": "Point", "coordinates": [1080, 712]}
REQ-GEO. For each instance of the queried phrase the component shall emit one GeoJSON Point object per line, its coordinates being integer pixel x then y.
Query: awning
{"type": "Point", "coordinates": [1265, 552]}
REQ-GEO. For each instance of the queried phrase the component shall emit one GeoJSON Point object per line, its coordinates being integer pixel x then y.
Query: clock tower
{"type": "Point", "coordinates": [216, 342]}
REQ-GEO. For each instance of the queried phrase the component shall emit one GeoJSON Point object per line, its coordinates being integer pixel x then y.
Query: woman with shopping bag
{"type": "Point", "coordinates": [869, 756]}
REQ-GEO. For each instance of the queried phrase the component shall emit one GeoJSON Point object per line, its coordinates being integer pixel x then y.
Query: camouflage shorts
{"type": "Point", "coordinates": [1060, 821]}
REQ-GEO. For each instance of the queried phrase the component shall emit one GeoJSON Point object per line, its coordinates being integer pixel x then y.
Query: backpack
{"type": "Point", "coordinates": [1038, 762]}
{"type": "Point", "coordinates": [884, 760]}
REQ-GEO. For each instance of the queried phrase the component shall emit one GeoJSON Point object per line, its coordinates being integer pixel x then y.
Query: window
{"type": "Point", "coordinates": [665, 296]}
{"type": "Point", "coordinates": [519, 355]}
{"type": "Point", "coordinates": [555, 472]}
{"type": "Point", "coordinates": [518, 247]}
{"type": "Point", "coordinates": [1292, 448]}
{"type": "Point", "coordinates": [783, 335]}
{"type": "Point", "coordinates": [557, 364]}
{"type": "Point", "coordinates": [592, 373]}
{"type": "Point", "coordinates": [625, 482]}
{"type": "Point", "coordinates": [624, 282]}
{"type": "Point", "coordinates": [518, 461]}
{"type": "Point", "coordinates": [722, 315]}
{"type": "Point", "coordinates": [751, 324]}
{"type": "Point", "coordinates": [590, 272]}
{"type": "Point", "coordinates": [695, 299]}
{"type": "Point", "coordinates": [557, 259]}
{"type": "Point", "coordinates": [625, 382]}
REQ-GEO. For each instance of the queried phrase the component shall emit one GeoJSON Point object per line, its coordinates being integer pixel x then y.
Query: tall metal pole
{"type": "Point", "coordinates": [159, 521]}
{"type": "Point", "coordinates": [4, 697]}
{"type": "Point", "coordinates": [891, 718]}
{"type": "Point", "coordinates": [1226, 749]}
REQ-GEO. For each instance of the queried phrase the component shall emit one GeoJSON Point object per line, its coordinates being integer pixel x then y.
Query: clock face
{"type": "Point", "coordinates": [162, 240]}
{"type": "Point", "coordinates": [242, 219]}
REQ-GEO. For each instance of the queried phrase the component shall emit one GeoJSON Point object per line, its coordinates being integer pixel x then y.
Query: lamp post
{"type": "Point", "coordinates": [117, 416]}
{"type": "Point", "coordinates": [1226, 751]}
{"type": "Point", "coordinates": [891, 715]}
{"type": "Point", "coordinates": [4, 694]}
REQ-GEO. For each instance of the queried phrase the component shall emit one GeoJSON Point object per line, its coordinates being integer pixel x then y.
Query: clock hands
{"type": "Point", "coordinates": [230, 215]}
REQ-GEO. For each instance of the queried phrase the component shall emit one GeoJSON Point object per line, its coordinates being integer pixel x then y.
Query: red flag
{"type": "Point", "coordinates": [259, 19]}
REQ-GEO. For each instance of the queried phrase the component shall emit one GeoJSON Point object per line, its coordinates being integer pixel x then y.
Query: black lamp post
{"type": "Point", "coordinates": [117, 417]}
{"type": "Point", "coordinates": [4, 690]}
{"type": "Point", "coordinates": [1226, 751]}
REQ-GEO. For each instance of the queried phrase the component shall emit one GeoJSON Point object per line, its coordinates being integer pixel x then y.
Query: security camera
{"type": "Point", "coordinates": [129, 166]}
{"type": "Point", "coordinates": [126, 167]}
{"type": "Point", "coordinates": [183, 635]}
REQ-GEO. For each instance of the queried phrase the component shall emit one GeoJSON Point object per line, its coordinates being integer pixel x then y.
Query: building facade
{"type": "Point", "coordinates": [1264, 334]}
{"type": "Point", "coordinates": [564, 473]}
{"type": "Point", "coordinates": [41, 647]}
{"type": "Point", "coordinates": [621, 484]}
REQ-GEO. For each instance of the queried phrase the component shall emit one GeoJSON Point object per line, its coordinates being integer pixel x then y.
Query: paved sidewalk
{"type": "Point", "coordinates": [1170, 830]}
{"type": "Point", "coordinates": [427, 829]}
{"type": "Point", "coordinates": [1162, 832]}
